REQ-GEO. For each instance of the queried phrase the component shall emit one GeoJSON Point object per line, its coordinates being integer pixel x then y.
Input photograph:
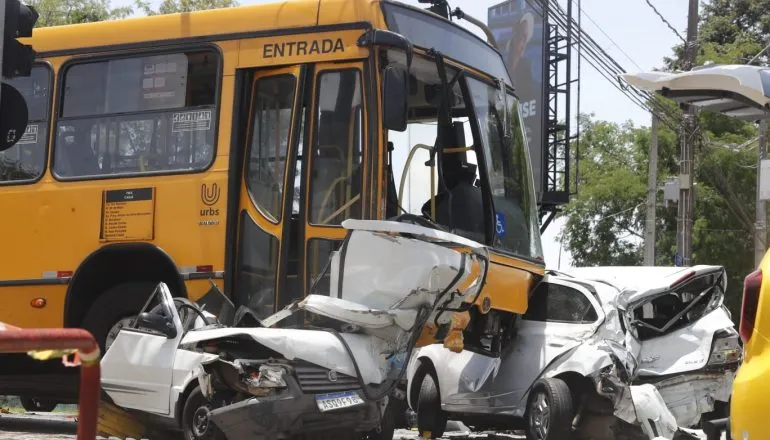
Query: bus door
{"type": "Point", "coordinates": [267, 198]}
{"type": "Point", "coordinates": [303, 175]}
{"type": "Point", "coordinates": [335, 165]}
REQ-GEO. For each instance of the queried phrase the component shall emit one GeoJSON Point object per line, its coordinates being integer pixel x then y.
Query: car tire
{"type": "Point", "coordinates": [31, 404]}
{"type": "Point", "coordinates": [113, 305]}
{"type": "Point", "coordinates": [430, 417]}
{"type": "Point", "coordinates": [387, 425]}
{"type": "Point", "coordinates": [195, 422]}
{"type": "Point", "coordinates": [549, 410]}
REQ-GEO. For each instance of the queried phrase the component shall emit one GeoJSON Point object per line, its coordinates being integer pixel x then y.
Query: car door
{"type": "Point", "coordinates": [560, 316]}
{"type": "Point", "coordinates": [137, 369]}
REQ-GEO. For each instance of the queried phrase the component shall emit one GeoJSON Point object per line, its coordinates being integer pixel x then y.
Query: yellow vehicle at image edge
{"type": "Point", "coordinates": [227, 146]}
{"type": "Point", "coordinates": [749, 400]}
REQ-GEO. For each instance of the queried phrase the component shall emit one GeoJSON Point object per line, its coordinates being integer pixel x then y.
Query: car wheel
{"type": "Point", "coordinates": [549, 410]}
{"type": "Point", "coordinates": [37, 405]}
{"type": "Point", "coordinates": [115, 308]}
{"type": "Point", "coordinates": [431, 419]}
{"type": "Point", "coordinates": [387, 424]}
{"type": "Point", "coordinates": [196, 424]}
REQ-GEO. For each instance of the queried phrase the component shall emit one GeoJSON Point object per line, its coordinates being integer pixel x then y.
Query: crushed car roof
{"type": "Point", "coordinates": [639, 282]}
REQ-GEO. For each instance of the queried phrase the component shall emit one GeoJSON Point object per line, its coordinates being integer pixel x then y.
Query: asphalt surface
{"type": "Point", "coordinates": [52, 426]}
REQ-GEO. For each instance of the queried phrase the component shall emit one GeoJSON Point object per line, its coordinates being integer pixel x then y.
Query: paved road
{"type": "Point", "coordinates": [59, 427]}
{"type": "Point", "coordinates": [62, 427]}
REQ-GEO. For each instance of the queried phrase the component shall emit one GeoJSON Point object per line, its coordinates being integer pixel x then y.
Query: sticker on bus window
{"type": "Point", "coordinates": [29, 136]}
{"type": "Point", "coordinates": [199, 120]}
{"type": "Point", "coordinates": [500, 224]}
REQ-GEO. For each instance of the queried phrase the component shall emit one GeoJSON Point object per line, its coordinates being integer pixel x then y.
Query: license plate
{"type": "Point", "coordinates": [332, 401]}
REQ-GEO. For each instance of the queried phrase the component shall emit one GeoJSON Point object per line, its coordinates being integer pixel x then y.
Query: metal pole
{"type": "Point", "coordinates": [652, 192]}
{"type": "Point", "coordinates": [760, 227]}
{"type": "Point", "coordinates": [2, 33]}
{"type": "Point", "coordinates": [687, 138]}
{"type": "Point", "coordinates": [14, 340]}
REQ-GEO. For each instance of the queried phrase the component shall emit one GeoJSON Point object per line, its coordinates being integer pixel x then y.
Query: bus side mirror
{"type": "Point", "coordinates": [395, 91]}
{"type": "Point", "coordinates": [158, 323]}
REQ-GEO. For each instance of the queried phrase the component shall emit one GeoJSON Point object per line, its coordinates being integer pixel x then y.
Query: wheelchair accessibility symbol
{"type": "Point", "coordinates": [499, 224]}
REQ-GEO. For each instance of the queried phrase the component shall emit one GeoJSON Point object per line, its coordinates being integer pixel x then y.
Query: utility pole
{"type": "Point", "coordinates": [687, 151]}
{"type": "Point", "coordinates": [760, 227]}
{"type": "Point", "coordinates": [652, 193]}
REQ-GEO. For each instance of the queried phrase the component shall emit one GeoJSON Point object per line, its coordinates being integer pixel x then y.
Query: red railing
{"type": "Point", "coordinates": [17, 340]}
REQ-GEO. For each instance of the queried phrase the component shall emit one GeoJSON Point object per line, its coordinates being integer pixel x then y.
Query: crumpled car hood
{"type": "Point", "coordinates": [387, 280]}
{"type": "Point", "coordinates": [315, 346]}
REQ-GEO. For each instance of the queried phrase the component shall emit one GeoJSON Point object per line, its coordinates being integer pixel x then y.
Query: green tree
{"type": "Point", "coordinates": [606, 216]}
{"type": "Point", "coordinates": [604, 222]}
{"type": "Point", "coordinates": [61, 12]}
{"type": "Point", "coordinates": [174, 6]}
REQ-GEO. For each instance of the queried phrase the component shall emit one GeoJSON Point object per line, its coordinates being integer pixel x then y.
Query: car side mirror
{"type": "Point", "coordinates": [395, 90]}
{"type": "Point", "coordinates": [158, 323]}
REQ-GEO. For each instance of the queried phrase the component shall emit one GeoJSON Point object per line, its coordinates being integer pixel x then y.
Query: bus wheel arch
{"type": "Point", "coordinates": [107, 279]}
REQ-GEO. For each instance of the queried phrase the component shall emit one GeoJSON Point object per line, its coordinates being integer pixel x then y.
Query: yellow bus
{"type": "Point", "coordinates": [227, 146]}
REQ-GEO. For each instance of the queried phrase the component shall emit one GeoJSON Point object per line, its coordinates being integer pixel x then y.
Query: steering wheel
{"type": "Point", "coordinates": [184, 303]}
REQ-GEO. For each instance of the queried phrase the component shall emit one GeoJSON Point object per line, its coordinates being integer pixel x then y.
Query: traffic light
{"type": "Point", "coordinates": [19, 21]}
{"type": "Point", "coordinates": [17, 61]}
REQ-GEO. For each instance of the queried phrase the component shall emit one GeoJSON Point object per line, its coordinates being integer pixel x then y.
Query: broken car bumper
{"type": "Point", "coordinates": [292, 412]}
{"type": "Point", "coordinates": [688, 396]}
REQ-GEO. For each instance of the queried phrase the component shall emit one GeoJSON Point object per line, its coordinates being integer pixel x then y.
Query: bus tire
{"type": "Point", "coordinates": [116, 303]}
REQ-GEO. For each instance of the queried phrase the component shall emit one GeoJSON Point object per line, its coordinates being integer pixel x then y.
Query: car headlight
{"type": "Point", "coordinates": [265, 381]}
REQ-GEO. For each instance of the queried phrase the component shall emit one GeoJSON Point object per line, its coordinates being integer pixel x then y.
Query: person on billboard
{"type": "Point", "coordinates": [519, 67]}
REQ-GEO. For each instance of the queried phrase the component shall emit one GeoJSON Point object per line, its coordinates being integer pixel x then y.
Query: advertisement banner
{"type": "Point", "coordinates": [518, 28]}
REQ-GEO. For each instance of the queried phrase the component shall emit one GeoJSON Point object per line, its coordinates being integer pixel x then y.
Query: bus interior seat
{"type": "Point", "coordinates": [466, 208]}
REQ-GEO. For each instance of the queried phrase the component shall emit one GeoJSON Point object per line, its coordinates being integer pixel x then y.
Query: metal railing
{"type": "Point", "coordinates": [18, 340]}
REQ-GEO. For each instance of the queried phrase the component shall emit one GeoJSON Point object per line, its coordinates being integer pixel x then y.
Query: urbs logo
{"type": "Point", "coordinates": [209, 197]}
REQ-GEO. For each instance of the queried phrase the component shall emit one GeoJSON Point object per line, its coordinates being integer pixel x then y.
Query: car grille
{"type": "Point", "coordinates": [314, 379]}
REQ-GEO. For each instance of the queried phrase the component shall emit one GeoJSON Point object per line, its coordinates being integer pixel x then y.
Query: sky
{"type": "Point", "coordinates": [628, 30]}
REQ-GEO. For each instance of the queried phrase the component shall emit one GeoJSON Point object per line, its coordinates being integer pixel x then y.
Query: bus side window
{"type": "Point", "coordinates": [25, 161]}
{"type": "Point", "coordinates": [137, 115]}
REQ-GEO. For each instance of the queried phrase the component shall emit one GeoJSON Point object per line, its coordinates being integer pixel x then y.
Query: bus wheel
{"type": "Point", "coordinates": [115, 308]}
{"type": "Point", "coordinates": [37, 405]}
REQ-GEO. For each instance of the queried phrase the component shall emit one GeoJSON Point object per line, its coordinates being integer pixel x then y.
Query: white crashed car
{"type": "Point", "coordinates": [178, 369]}
{"type": "Point", "coordinates": [599, 350]}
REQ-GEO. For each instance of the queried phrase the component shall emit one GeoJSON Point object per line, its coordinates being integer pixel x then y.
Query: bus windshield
{"type": "Point", "coordinates": [464, 170]}
{"type": "Point", "coordinates": [509, 168]}
{"type": "Point", "coordinates": [478, 117]}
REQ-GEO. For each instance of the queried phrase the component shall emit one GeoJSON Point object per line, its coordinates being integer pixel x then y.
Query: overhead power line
{"type": "Point", "coordinates": [610, 69]}
{"type": "Point", "coordinates": [666, 22]}
{"type": "Point", "coordinates": [609, 38]}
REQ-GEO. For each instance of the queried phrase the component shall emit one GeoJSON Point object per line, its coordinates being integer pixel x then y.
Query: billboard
{"type": "Point", "coordinates": [518, 27]}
